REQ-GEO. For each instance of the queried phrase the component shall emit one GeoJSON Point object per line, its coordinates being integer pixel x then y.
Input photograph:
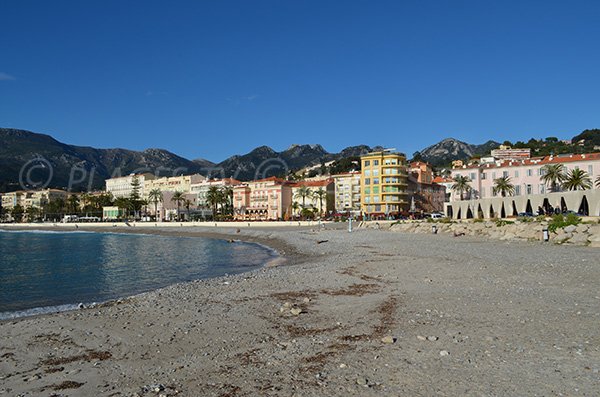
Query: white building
{"type": "Point", "coordinates": [122, 186]}
{"type": "Point", "coordinates": [347, 192]}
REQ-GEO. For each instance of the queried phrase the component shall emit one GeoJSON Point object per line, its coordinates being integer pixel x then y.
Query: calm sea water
{"type": "Point", "coordinates": [49, 271]}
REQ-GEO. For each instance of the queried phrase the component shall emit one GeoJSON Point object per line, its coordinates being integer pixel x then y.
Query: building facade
{"type": "Point", "coordinates": [347, 192]}
{"type": "Point", "coordinates": [525, 175]}
{"type": "Point", "coordinates": [122, 186]}
{"type": "Point", "coordinates": [182, 183]}
{"type": "Point", "coordinates": [265, 199]}
{"type": "Point", "coordinates": [324, 205]}
{"type": "Point", "coordinates": [32, 198]}
{"type": "Point", "coordinates": [383, 184]}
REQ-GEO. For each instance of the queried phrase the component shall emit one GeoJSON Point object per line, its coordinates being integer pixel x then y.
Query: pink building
{"type": "Point", "coordinates": [265, 199]}
{"type": "Point", "coordinates": [525, 175]}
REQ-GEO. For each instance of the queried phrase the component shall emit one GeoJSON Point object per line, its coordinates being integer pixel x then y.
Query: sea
{"type": "Point", "coordinates": [50, 271]}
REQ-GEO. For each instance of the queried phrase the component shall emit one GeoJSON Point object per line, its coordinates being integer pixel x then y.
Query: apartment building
{"type": "Point", "coordinates": [264, 199]}
{"type": "Point", "coordinates": [325, 205]}
{"type": "Point", "coordinates": [525, 175]}
{"type": "Point", "coordinates": [200, 190]}
{"type": "Point", "coordinates": [383, 184]}
{"type": "Point", "coordinates": [426, 195]}
{"type": "Point", "coordinates": [32, 198]}
{"type": "Point", "coordinates": [122, 186]}
{"type": "Point", "coordinates": [182, 183]}
{"type": "Point", "coordinates": [347, 192]}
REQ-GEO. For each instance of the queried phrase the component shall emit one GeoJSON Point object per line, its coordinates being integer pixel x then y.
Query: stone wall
{"type": "Point", "coordinates": [582, 234]}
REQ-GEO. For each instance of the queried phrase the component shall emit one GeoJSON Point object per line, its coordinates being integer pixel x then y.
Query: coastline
{"type": "Point", "coordinates": [505, 314]}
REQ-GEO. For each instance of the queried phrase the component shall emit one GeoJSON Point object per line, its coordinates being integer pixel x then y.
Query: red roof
{"type": "Point", "coordinates": [441, 179]}
{"type": "Point", "coordinates": [560, 159]}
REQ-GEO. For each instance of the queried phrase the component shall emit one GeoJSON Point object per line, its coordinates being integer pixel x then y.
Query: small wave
{"type": "Point", "coordinates": [46, 231]}
{"type": "Point", "coordinates": [37, 311]}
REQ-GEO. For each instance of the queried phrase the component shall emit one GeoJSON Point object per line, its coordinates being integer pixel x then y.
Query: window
{"type": "Point", "coordinates": [505, 174]}
{"type": "Point", "coordinates": [493, 175]}
{"type": "Point", "coordinates": [375, 181]}
{"type": "Point", "coordinates": [367, 190]}
{"type": "Point", "coordinates": [375, 189]}
{"type": "Point", "coordinates": [472, 175]}
{"type": "Point", "coordinates": [590, 170]}
{"type": "Point", "coordinates": [367, 172]}
{"type": "Point", "coordinates": [518, 190]}
{"type": "Point", "coordinates": [367, 199]}
{"type": "Point", "coordinates": [541, 172]}
{"type": "Point", "coordinates": [516, 173]}
{"type": "Point", "coordinates": [375, 172]}
{"type": "Point", "coordinates": [483, 176]}
{"type": "Point", "coordinates": [529, 189]}
{"type": "Point", "coordinates": [367, 181]}
{"type": "Point", "coordinates": [542, 188]}
{"type": "Point", "coordinates": [529, 172]}
{"type": "Point", "coordinates": [375, 199]}
{"type": "Point", "coordinates": [367, 163]}
{"type": "Point", "coordinates": [375, 162]}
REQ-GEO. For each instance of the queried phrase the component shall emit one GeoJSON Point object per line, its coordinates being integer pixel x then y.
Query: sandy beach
{"type": "Point", "coordinates": [346, 314]}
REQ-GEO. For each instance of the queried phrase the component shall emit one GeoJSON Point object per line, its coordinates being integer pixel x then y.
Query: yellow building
{"type": "Point", "coordinates": [383, 182]}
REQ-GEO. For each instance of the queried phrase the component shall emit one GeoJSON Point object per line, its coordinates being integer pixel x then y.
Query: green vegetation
{"type": "Point", "coordinates": [461, 185]}
{"type": "Point", "coordinates": [559, 221]}
{"type": "Point", "coordinates": [502, 222]}
{"type": "Point", "coordinates": [577, 179]}
{"type": "Point", "coordinates": [503, 186]}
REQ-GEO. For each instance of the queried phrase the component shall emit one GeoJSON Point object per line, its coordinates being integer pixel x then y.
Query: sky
{"type": "Point", "coordinates": [209, 79]}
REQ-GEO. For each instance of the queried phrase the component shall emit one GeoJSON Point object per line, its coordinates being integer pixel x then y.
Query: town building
{"type": "Point", "coordinates": [181, 183]}
{"type": "Point", "coordinates": [347, 192]}
{"type": "Point", "coordinates": [324, 204]}
{"type": "Point", "coordinates": [525, 175]}
{"type": "Point", "coordinates": [32, 198]}
{"type": "Point", "coordinates": [508, 153]}
{"type": "Point", "coordinates": [264, 199]}
{"type": "Point", "coordinates": [201, 189]}
{"type": "Point", "coordinates": [531, 194]}
{"type": "Point", "coordinates": [123, 186]}
{"type": "Point", "coordinates": [424, 195]}
{"type": "Point", "coordinates": [383, 184]}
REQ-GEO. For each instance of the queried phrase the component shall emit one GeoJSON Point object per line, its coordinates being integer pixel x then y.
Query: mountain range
{"type": "Point", "coordinates": [29, 159]}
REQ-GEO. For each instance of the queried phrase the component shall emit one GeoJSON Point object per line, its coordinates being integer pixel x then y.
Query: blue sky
{"type": "Point", "coordinates": [213, 79]}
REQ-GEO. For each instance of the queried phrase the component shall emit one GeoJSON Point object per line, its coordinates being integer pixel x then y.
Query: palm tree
{"type": "Point", "coordinates": [187, 203]}
{"type": "Point", "coordinates": [123, 203]}
{"type": "Point", "coordinates": [295, 208]}
{"type": "Point", "coordinates": [554, 174]}
{"type": "Point", "coordinates": [302, 193]}
{"type": "Point", "coordinates": [73, 201]}
{"type": "Point", "coordinates": [178, 197]}
{"type": "Point", "coordinates": [227, 193]}
{"type": "Point", "coordinates": [598, 182]}
{"type": "Point", "coordinates": [155, 196]}
{"type": "Point", "coordinates": [214, 197]}
{"type": "Point", "coordinates": [503, 186]}
{"type": "Point", "coordinates": [320, 194]}
{"type": "Point", "coordinates": [461, 185]}
{"type": "Point", "coordinates": [577, 180]}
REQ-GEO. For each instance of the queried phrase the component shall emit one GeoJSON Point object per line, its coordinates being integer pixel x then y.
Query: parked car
{"type": "Point", "coordinates": [525, 214]}
{"type": "Point", "coordinates": [436, 215]}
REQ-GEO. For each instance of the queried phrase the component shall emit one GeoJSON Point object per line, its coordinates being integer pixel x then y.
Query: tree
{"type": "Point", "coordinates": [461, 185]}
{"type": "Point", "coordinates": [302, 193]}
{"type": "Point", "coordinates": [135, 198]}
{"type": "Point", "coordinates": [178, 197]}
{"type": "Point", "coordinates": [320, 194]}
{"type": "Point", "coordinates": [214, 197]}
{"type": "Point", "coordinates": [295, 207]}
{"type": "Point", "coordinates": [155, 196]}
{"type": "Point", "coordinates": [187, 203]}
{"type": "Point", "coordinates": [598, 182]}
{"type": "Point", "coordinates": [17, 213]}
{"type": "Point", "coordinates": [32, 213]}
{"type": "Point", "coordinates": [123, 203]}
{"type": "Point", "coordinates": [73, 203]}
{"type": "Point", "coordinates": [503, 186]}
{"type": "Point", "coordinates": [577, 180]}
{"type": "Point", "coordinates": [227, 197]}
{"type": "Point", "coordinates": [554, 174]}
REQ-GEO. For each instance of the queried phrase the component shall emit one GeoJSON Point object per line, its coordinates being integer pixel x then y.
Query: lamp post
{"type": "Point", "coordinates": [545, 234]}
{"type": "Point", "coordinates": [350, 225]}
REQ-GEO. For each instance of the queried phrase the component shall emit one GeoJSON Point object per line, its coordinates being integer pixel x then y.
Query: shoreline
{"type": "Point", "coordinates": [284, 255]}
{"type": "Point", "coordinates": [461, 316]}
